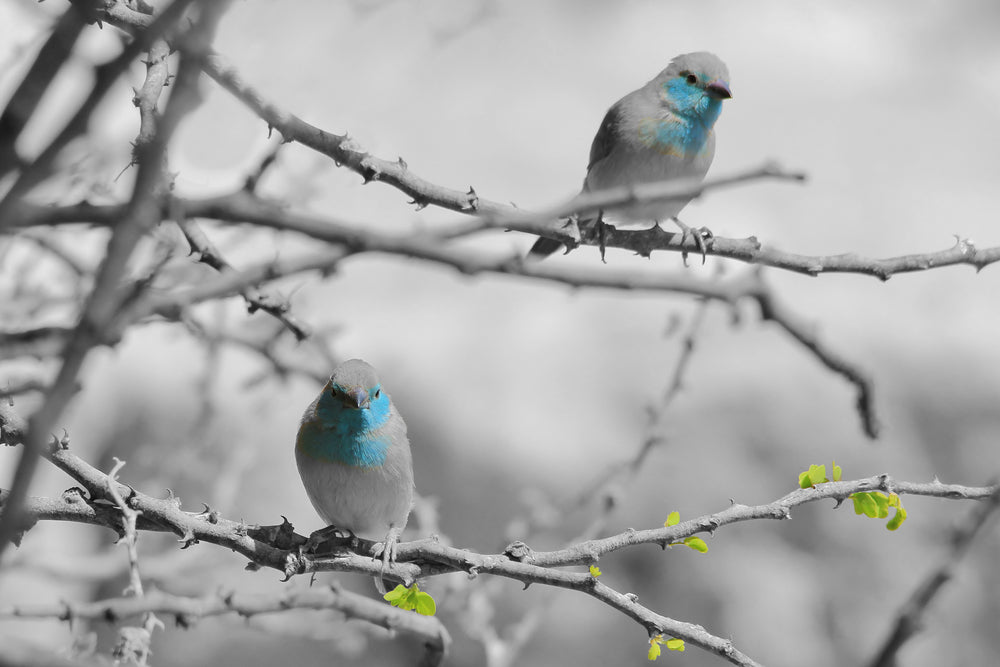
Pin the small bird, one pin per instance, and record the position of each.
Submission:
(660, 132)
(354, 459)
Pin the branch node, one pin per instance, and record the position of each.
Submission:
(518, 551)
(74, 495)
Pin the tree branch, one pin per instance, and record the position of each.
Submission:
(186, 610)
(280, 548)
(909, 619)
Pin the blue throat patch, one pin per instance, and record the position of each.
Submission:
(698, 112)
(353, 436)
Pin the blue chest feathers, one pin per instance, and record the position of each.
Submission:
(353, 436)
(686, 132)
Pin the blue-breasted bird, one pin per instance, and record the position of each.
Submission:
(660, 132)
(354, 458)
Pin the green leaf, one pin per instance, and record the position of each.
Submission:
(397, 594)
(818, 474)
(411, 599)
(865, 504)
(696, 543)
(882, 501)
(595, 571)
(804, 481)
(897, 520)
(673, 519)
(836, 471)
(425, 605)
(654, 647)
(675, 644)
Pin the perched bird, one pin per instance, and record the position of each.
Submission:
(660, 132)
(354, 459)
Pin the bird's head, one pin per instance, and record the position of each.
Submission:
(694, 84)
(354, 385)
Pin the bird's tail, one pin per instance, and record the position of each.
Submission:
(543, 248)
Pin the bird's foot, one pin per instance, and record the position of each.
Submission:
(333, 536)
(700, 236)
(386, 552)
(601, 235)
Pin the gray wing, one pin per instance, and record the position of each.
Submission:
(604, 140)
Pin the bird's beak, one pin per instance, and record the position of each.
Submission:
(357, 398)
(719, 89)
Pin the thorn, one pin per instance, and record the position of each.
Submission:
(370, 173)
(188, 539)
(473, 204)
(402, 163)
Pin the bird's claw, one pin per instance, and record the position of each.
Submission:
(699, 236)
(331, 534)
(386, 552)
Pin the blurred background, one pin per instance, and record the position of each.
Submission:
(519, 395)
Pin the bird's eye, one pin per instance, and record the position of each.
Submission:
(692, 79)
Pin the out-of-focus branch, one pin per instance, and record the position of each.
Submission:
(141, 215)
(40, 167)
(50, 59)
(244, 206)
(909, 619)
(256, 298)
(186, 610)
(773, 310)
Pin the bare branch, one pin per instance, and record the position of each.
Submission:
(773, 310)
(256, 298)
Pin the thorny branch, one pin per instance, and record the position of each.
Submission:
(279, 548)
(908, 622)
(345, 151)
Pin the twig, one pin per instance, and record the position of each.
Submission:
(909, 619)
(256, 298)
(773, 310)
(133, 643)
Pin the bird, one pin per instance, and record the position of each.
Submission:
(662, 131)
(354, 459)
